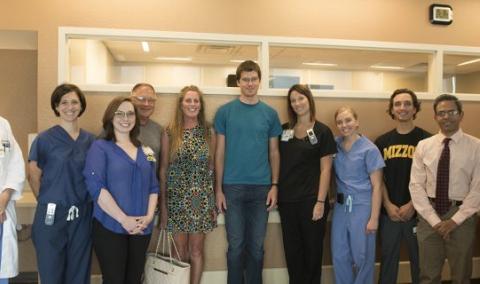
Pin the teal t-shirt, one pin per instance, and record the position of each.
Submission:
(247, 130)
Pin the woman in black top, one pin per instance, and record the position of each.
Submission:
(306, 150)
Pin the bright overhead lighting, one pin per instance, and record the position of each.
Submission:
(319, 64)
(145, 46)
(387, 67)
(469, 62)
(173, 58)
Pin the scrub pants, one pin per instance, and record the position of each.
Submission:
(353, 251)
(246, 224)
(64, 249)
(303, 240)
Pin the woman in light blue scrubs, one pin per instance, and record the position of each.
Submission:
(358, 171)
(61, 231)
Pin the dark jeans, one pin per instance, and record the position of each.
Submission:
(246, 223)
(121, 257)
(303, 240)
(391, 236)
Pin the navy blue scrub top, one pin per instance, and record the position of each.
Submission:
(61, 160)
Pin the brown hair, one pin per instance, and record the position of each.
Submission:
(248, 66)
(416, 103)
(62, 90)
(304, 90)
(108, 121)
(176, 126)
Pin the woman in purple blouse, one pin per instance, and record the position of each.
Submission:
(120, 176)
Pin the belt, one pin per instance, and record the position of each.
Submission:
(452, 202)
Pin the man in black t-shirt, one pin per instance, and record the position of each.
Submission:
(398, 219)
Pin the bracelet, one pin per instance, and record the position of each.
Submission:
(274, 184)
(320, 201)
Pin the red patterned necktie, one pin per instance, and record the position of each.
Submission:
(442, 203)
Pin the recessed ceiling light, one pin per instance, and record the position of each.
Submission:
(145, 46)
(319, 64)
(387, 67)
(165, 58)
(469, 62)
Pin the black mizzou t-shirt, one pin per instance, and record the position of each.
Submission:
(397, 151)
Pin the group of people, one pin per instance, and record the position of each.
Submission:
(102, 191)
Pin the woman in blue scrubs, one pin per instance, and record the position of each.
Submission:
(121, 178)
(358, 171)
(61, 231)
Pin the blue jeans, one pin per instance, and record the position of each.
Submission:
(246, 223)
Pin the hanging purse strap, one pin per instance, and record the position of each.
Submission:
(167, 239)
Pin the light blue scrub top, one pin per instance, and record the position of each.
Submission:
(353, 169)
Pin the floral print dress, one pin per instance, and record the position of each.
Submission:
(191, 200)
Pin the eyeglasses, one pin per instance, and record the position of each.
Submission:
(444, 113)
(122, 114)
(143, 100)
(249, 80)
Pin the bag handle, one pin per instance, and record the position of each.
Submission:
(166, 237)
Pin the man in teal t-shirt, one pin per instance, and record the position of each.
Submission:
(247, 164)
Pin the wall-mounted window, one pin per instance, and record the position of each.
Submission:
(103, 60)
(461, 73)
(161, 63)
(348, 69)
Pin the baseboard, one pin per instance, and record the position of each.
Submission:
(280, 275)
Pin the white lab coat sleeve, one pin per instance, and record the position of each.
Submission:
(14, 166)
(12, 175)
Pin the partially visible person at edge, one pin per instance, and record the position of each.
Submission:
(144, 98)
(306, 150)
(358, 175)
(445, 190)
(12, 179)
(61, 231)
(186, 179)
(398, 221)
(122, 181)
(247, 165)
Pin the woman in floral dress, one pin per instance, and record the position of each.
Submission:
(186, 174)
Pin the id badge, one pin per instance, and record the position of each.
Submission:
(312, 137)
(6, 145)
(50, 216)
(287, 134)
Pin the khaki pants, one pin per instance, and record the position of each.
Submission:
(433, 250)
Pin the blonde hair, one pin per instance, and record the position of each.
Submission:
(176, 126)
(346, 108)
